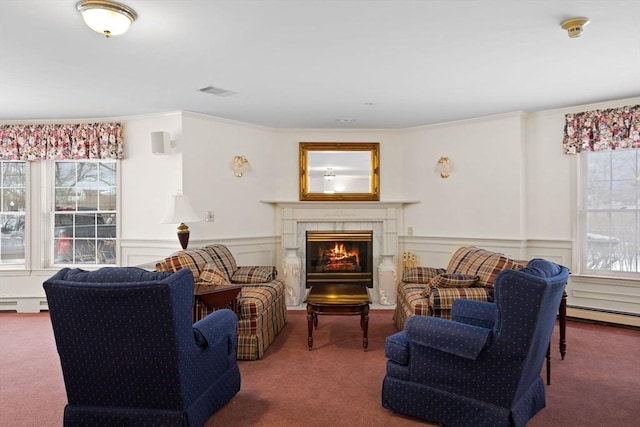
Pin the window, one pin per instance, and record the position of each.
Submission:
(85, 212)
(13, 197)
(610, 212)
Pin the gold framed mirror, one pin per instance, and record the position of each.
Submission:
(340, 171)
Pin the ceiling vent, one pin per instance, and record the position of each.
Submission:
(212, 90)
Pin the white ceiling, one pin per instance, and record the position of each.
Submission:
(310, 63)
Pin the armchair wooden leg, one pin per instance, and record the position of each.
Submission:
(562, 316)
(549, 364)
(563, 324)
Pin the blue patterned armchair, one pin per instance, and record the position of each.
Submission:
(130, 354)
(482, 368)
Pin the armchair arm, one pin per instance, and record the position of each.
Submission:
(471, 312)
(396, 348)
(448, 336)
(254, 274)
(443, 298)
(215, 327)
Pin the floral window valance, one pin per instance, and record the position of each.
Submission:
(61, 141)
(600, 130)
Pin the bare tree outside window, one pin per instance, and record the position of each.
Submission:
(611, 211)
(85, 212)
(13, 206)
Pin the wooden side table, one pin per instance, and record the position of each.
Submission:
(207, 297)
(338, 300)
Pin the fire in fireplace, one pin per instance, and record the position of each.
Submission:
(334, 257)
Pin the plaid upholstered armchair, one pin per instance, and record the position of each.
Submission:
(130, 354)
(262, 309)
(430, 291)
(482, 368)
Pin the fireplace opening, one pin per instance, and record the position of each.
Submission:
(335, 257)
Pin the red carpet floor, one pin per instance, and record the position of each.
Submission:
(337, 383)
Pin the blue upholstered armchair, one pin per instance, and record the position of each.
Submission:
(130, 354)
(482, 368)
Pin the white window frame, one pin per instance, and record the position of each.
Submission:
(27, 218)
(50, 227)
(581, 238)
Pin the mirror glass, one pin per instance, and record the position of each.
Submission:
(339, 171)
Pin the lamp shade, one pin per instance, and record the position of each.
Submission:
(179, 210)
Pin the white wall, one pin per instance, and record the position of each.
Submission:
(147, 180)
(484, 196)
(210, 145)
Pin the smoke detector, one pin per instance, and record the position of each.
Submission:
(574, 26)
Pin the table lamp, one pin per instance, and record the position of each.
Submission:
(180, 211)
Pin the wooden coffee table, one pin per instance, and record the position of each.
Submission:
(338, 300)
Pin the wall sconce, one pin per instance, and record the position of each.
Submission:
(240, 165)
(574, 26)
(106, 17)
(160, 143)
(180, 211)
(444, 167)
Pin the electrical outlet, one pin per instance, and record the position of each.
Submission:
(410, 231)
(209, 217)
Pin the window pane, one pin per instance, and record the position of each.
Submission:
(13, 206)
(599, 195)
(13, 174)
(599, 165)
(85, 251)
(12, 249)
(623, 166)
(107, 190)
(624, 194)
(623, 227)
(65, 174)
(611, 212)
(85, 215)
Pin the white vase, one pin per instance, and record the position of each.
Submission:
(387, 281)
(291, 268)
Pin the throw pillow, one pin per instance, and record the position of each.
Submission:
(211, 275)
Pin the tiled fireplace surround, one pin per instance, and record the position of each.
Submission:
(384, 218)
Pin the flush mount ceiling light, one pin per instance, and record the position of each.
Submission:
(106, 17)
(574, 26)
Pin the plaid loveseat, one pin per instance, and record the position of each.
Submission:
(262, 309)
(429, 291)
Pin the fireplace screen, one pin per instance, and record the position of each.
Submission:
(334, 257)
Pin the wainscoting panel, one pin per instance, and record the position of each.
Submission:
(437, 251)
(601, 293)
(246, 251)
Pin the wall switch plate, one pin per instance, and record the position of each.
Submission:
(410, 231)
(208, 216)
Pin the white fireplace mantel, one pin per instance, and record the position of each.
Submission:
(294, 218)
(389, 213)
